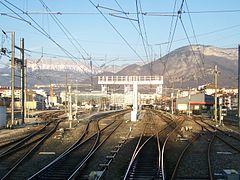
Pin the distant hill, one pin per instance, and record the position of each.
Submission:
(188, 66)
(185, 66)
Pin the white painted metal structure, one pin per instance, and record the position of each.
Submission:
(134, 81)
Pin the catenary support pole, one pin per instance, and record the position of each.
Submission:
(22, 78)
(215, 95)
(25, 89)
(13, 77)
(66, 93)
(70, 107)
(76, 102)
(238, 86)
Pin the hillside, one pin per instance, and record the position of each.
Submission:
(190, 68)
(181, 66)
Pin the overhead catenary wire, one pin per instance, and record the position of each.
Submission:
(171, 37)
(140, 30)
(195, 37)
(42, 31)
(156, 13)
(115, 29)
(144, 26)
(194, 54)
(127, 16)
(140, 13)
(65, 31)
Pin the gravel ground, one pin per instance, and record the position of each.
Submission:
(195, 158)
(119, 164)
(56, 143)
(115, 138)
(7, 135)
(224, 157)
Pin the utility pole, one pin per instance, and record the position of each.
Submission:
(76, 101)
(66, 94)
(215, 95)
(25, 89)
(172, 97)
(220, 111)
(70, 107)
(238, 86)
(172, 102)
(91, 103)
(91, 74)
(189, 102)
(13, 77)
(22, 78)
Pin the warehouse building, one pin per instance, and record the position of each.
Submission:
(199, 103)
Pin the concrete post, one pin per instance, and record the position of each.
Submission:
(13, 77)
(70, 107)
(135, 101)
(215, 95)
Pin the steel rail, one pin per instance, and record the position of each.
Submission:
(159, 155)
(21, 147)
(110, 161)
(223, 132)
(91, 153)
(164, 145)
(135, 155)
(210, 173)
(72, 148)
(24, 140)
(77, 144)
(138, 149)
(209, 157)
(226, 134)
(12, 141)
(173, 176)
(19, 161)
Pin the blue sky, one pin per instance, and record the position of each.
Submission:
(103, 43)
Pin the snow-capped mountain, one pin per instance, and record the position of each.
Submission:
(61, 65)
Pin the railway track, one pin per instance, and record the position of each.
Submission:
(149, 145)
(13, 156)
(225, 151)
(9, 142)
(194, 156)
(69, 164)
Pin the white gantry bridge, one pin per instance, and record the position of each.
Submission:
(133, 81)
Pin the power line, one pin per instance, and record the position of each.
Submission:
(65, 30)
(171, 40)
(127, 17)
(144, 26)
(185, 31)
(148, 13)
(42, 31)
(194, 34)
(202, 34)
(214, 11)
(140, 30)
(118, 32)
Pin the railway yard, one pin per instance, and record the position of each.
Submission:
(109, 146)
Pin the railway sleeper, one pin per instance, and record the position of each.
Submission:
(110, 156)
(118, 146)
(104, 164)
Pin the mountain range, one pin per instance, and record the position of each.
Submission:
(187, 66)
(190, 66)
